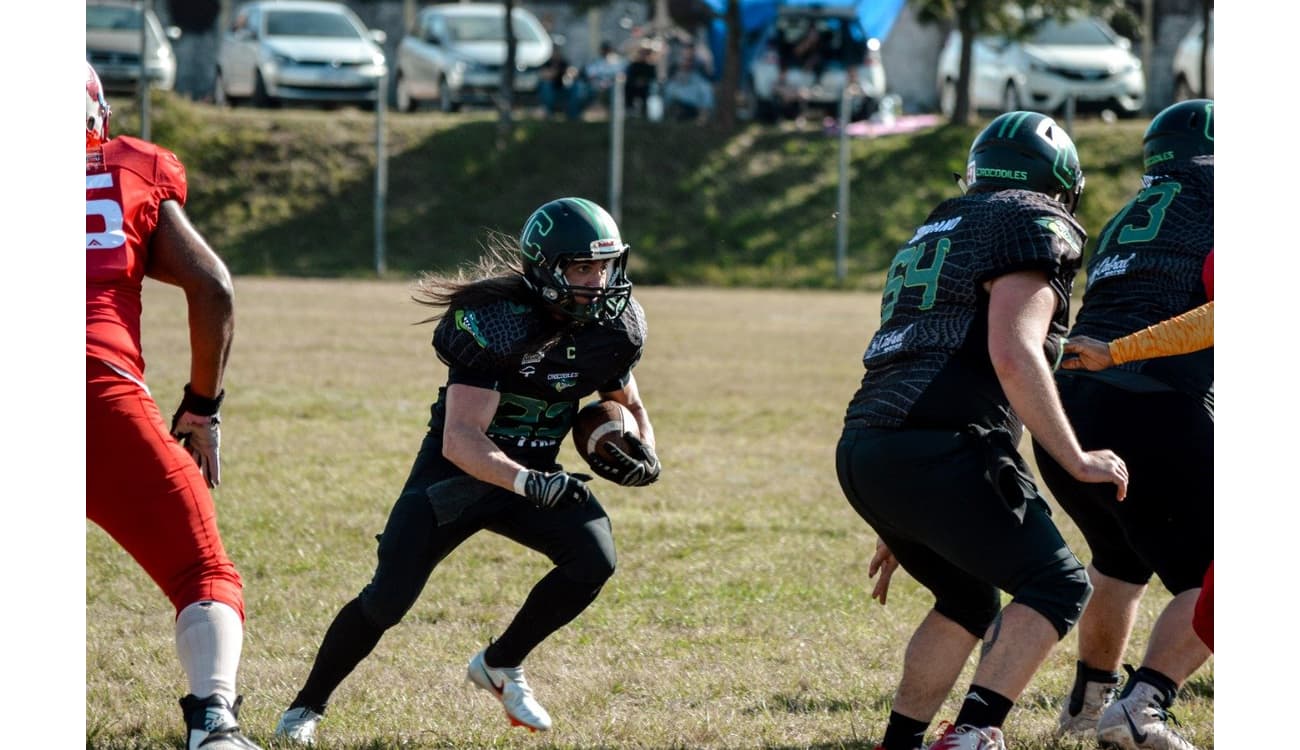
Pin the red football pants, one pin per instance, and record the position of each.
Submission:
(146, 492)
(1203, 617)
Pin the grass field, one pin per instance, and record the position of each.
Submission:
(739, 617)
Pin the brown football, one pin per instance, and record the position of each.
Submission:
(600, 424)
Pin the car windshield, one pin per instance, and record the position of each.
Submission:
(112, 17)
(1076, 32)
(309, 23)
(487, 29)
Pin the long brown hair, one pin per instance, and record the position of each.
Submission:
(498, 273)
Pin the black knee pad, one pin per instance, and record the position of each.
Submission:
(973, 610)
(1057, 592)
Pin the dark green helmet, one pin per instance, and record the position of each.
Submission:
(1027, 151)
(1179, 132)
(566, 230)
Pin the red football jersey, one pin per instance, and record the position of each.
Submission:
(126, 182)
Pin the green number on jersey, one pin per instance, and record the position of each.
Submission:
(906, 270)
(1163, 193)
(532, 417)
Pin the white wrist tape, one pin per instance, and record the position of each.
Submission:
(521, 481)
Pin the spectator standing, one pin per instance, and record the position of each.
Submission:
(1151, 264)
(641, 76)
(971, 322)
(146, 486)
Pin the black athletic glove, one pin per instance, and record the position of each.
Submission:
(636, 470)
(556, 490)
(197, 425)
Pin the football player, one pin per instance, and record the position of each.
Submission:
(531, 331)
(148, 486)
(1151, 264)
(971, 321)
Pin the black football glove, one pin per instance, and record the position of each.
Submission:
(556, 490)
(635, 470)
(197, 425)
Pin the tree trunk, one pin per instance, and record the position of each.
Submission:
(961, 113)
(730, 83)
(1206, 7)
(506, 97)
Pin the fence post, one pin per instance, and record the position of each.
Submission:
(842, 215)
(381, 174)
(617, 116)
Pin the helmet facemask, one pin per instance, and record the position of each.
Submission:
(602, 303)
(97, 110)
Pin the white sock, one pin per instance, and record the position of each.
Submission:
(209, 638)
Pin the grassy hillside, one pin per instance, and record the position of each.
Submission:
(291, 192)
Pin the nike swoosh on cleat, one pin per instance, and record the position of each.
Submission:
(499, 689)
(1137, 735)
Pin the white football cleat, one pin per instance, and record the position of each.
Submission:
(510, 687)
(1137, 722)
(298, 725)
(213, 724)
(1083, 708)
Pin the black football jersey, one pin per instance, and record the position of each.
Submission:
(1147, 268)
(495, 346)
(928, 364)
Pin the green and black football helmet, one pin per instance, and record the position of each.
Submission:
(1179, 132)
(1026, 151)
(567, 230)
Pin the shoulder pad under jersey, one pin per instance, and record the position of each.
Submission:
(483, 338)
(631, 322)
(1032, 229)
(153, 163)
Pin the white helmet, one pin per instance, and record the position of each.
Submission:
(97, 110)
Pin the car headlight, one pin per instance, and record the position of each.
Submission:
(1036, 65)
(280, 60)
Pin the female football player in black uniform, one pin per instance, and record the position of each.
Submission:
(533, 330)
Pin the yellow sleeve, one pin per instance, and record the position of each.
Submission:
(1182, 334)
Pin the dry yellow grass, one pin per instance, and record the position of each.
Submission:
(739, 616)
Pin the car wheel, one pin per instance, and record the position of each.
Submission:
(948, 98)
(260, 97)
(219, 95)
(446, 99)
(1010, 98)
(402, 97)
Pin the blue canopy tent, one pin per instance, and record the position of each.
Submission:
(877, 17)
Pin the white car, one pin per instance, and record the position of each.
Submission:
(113, 45)
(1082, 58)
(301, 50)
(455, 52)
(805, 58)
(1187, 64)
